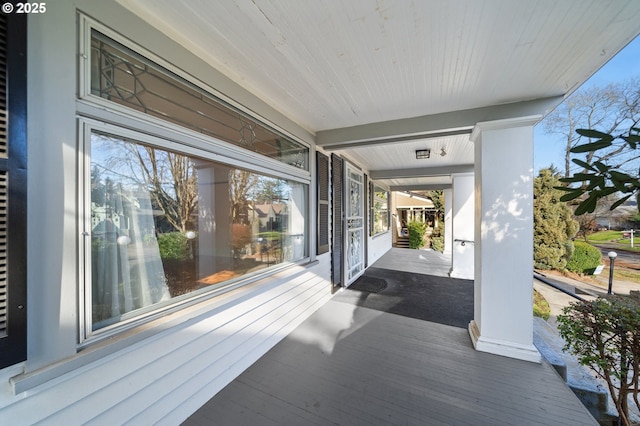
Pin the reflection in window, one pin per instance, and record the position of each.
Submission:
(164, 224)
(380, 211)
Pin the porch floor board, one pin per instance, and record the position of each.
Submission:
(428, 262)
(350, 365)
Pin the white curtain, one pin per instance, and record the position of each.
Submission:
(127, 269)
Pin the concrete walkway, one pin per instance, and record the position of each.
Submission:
(587, 290)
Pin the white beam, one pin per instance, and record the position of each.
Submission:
(421, 172)
(428, 126)
(429, 187)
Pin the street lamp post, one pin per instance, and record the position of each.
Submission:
(612, 257)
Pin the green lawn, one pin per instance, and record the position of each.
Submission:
(624, 274)
(614, 240)
(604, 236)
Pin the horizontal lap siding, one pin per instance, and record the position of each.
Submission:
(167, 377)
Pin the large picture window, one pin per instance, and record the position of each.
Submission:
(184, 194)
(164, 225)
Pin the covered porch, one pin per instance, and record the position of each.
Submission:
(349, 364)
(321, 103)
(414, 96)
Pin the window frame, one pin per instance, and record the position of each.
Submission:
(375, 188)
(99, 114)
(88, 126)
(100, 104)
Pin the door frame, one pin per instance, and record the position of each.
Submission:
(349, 275)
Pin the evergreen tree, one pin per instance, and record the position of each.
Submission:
(554, 226)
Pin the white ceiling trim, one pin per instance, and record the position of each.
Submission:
(422, 171)
(426, 187)
(437, 125)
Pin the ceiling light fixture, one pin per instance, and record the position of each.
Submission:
(443, 152)
(422, 154)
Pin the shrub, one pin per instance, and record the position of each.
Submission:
(416, 234)
(437, 238)
(604, 334)
(541, 307)
(437, 243)
(553, 224)
(585, 258)
(173, 245)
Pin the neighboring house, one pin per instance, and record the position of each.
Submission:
(327, 101)
(407, 207)
(270, 216)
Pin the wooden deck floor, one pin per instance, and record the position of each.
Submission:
(348, 365)
(428, 262)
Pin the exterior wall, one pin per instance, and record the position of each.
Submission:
(378, 246)
(163, 370)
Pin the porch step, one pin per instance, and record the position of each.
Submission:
(591, 393)
(402, 242)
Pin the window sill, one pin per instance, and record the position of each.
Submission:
(380, 234)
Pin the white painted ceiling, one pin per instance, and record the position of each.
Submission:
(333, 64)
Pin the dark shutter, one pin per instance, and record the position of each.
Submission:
(337, 219)
(13, 187)
(322, 173)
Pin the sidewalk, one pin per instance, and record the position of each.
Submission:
(558, 300)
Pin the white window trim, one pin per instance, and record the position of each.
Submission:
(160, 133)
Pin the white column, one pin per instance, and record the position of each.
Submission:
(503, 294)
(462, 250)
(448, 216)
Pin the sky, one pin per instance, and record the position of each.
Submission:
(549, 149)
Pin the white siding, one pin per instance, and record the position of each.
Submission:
(378, 246)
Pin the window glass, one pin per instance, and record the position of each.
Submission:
(380, 210)
(125, 77)
(164, 224)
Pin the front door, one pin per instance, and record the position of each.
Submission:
(354, 224)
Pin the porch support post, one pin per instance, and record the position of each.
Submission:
(462, 250)
(503, 291)
(448, 215)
